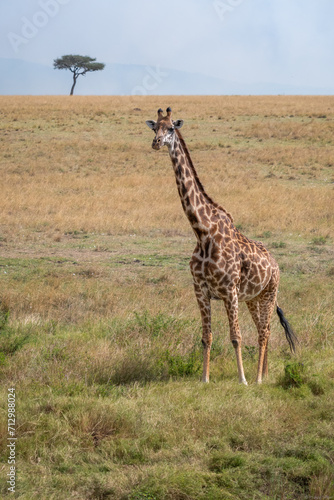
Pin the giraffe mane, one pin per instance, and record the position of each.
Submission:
(200, 185)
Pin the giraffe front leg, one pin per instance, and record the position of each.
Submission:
(206, 341)
(205, 310)
(265, 362)
(231, 306)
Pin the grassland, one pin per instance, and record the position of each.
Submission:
(99, 328)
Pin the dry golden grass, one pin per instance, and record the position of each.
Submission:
(85, 163)
(79, 178)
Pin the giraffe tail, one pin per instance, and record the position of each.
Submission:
(289, 333)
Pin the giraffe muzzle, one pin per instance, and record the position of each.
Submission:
(157, 143)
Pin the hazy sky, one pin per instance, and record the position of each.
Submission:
(281, 41)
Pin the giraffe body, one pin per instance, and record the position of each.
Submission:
(225, 264)
(221, 263)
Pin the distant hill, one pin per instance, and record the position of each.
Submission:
(22, 77)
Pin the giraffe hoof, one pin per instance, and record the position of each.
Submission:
(244, 382)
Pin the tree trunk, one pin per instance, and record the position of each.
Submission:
(74, 82)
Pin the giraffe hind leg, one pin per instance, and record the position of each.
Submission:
(265, 363)
(261, 310)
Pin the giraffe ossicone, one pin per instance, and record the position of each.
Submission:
(225, 265)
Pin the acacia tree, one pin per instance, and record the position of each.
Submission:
(78, 65)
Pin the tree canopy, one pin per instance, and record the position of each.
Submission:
(78, 65)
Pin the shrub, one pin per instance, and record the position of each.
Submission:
(293, 375)
(4, 315)
(180, 366)
(319, 240)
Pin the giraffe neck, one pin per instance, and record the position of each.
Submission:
(197, 205)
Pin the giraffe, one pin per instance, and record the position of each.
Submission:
(225, 265)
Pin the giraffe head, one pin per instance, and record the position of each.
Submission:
(164, 129)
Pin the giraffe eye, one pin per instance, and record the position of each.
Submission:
(171, 129)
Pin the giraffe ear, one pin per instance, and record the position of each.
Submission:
(150, 124)
(178, 123)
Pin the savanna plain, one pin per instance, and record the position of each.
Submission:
(99, 328)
